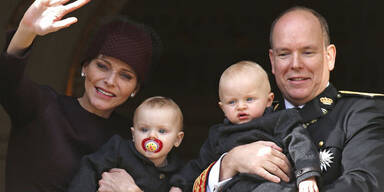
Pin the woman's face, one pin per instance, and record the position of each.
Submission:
(109, 82)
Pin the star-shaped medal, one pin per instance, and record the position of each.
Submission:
(326, 157)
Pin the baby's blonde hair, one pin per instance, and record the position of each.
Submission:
(160, 102)
(242, 69)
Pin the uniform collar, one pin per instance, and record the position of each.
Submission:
(320, 105)
(289, 105)
(317, 107)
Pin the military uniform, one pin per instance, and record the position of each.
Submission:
(348, 130)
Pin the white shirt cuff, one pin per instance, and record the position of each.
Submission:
(213, 178)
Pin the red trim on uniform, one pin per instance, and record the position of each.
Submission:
(201, 181)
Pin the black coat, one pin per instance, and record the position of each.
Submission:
(349, 129)
(282, 127)
(120, 153)
(50, 132)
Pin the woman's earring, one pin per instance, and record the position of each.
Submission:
(82, 74)
(133, 94)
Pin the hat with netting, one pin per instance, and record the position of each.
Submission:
(133, 43)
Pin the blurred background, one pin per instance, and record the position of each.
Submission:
(201, 38)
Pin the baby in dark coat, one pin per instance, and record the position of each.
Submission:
(157, 128)
(245, 94)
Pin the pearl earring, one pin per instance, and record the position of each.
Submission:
(132, 94)
(82, 74)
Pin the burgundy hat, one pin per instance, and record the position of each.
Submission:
(126, 41)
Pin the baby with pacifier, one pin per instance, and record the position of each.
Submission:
(157, 128)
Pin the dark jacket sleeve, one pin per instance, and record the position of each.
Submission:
(208, 154)
(93, 165)
(21, 98)
(298, 143)
(363, 152)
(303, 154)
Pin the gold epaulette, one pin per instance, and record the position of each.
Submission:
(354, 93)
(201, 182)
(276, 106)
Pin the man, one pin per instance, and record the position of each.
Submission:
(347, 127)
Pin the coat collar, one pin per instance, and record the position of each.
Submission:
(318, 106)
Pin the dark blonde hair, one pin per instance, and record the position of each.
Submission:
(157, 102)
(245, 67)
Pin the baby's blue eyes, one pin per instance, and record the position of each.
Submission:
(248, 100)
(162, 131)
(143, 129)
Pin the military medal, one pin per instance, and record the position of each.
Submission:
(152, 145)
(326, 101)
(326, 157)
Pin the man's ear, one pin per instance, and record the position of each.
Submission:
(271, 96)
(180, 136)
(272, 60)
(331, 56)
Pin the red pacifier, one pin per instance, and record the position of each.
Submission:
(152, 145)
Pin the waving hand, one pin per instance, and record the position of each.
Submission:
(41, 18)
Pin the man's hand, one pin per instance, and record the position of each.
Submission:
(262, 158)
(117, 180)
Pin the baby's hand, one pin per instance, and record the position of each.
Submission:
(175, 189)
(308, 185)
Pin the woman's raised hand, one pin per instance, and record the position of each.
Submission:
(41, 18)
(46, 16)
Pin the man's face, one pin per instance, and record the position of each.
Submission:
(301, 62)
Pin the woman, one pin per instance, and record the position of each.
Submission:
(51, 132)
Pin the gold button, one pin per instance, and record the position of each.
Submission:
(162, 176)
(321, 143)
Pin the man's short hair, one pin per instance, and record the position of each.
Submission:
(320, 18)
